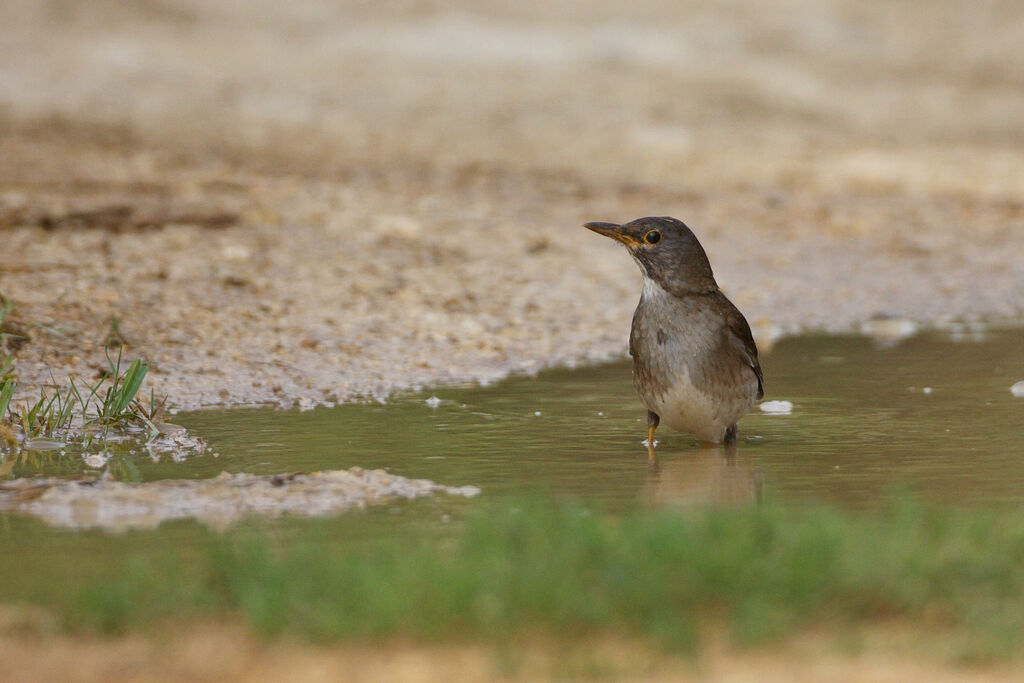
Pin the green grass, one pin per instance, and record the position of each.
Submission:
(6, 393)
(69, 412)
(506, 571)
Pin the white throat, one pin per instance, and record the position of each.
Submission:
(652, 291)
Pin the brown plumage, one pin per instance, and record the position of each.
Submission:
(695, 363)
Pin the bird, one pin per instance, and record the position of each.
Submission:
(695, 364)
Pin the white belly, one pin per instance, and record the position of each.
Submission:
(685, 408)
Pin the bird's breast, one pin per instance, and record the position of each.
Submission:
(679, 370)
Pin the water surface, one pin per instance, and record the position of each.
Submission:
(931, 413)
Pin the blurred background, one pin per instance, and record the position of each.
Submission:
(914, 95)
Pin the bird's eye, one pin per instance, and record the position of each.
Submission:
(653, 237)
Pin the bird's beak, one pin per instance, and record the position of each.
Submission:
(613, 230)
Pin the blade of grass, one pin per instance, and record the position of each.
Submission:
(129, 387)
(6, 393)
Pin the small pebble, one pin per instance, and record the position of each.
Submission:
(777, 407)
(1018, 389)
(96, 460)
(236, 252)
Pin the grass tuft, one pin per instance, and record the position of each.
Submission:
(73, 414)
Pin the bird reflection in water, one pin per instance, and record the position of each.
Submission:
(708, 476)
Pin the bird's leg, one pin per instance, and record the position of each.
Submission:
(731, 433)
(652, 423)
(729, 448)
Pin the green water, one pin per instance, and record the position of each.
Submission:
(861, 425)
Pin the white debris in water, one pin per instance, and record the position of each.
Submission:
(777, 407)
(218, 502)
(926, 390)
(1018, 389)
(433, 401)
(536, 413)
(96, 460)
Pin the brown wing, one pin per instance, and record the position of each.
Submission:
(742, 342)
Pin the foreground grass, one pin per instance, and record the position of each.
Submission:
(569, 571)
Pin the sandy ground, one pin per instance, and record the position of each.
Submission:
(312, 204)
(220, 652)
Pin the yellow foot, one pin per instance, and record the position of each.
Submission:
(650, 444)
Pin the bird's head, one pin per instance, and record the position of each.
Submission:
(666, 251)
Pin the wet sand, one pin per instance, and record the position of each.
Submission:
(217, 501)
(299, 206)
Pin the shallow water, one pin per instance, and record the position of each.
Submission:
(931, 413)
